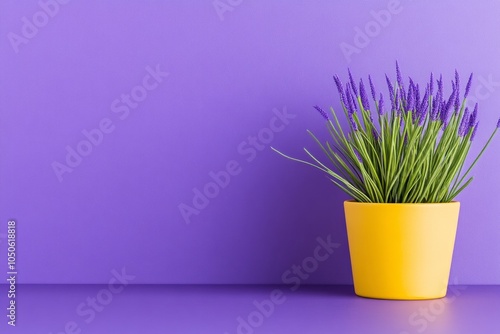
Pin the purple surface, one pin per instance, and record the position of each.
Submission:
(215, 309)
(120, 204)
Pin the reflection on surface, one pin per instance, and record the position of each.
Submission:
(249, 309)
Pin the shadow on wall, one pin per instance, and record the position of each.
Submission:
(305, 206)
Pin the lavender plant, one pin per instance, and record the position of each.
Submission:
(412, 151)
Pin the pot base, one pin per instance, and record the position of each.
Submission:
(399, 296)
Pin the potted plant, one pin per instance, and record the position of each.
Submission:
(403, 163)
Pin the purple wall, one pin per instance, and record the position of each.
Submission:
(171, 93)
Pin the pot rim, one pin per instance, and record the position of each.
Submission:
(353, 202)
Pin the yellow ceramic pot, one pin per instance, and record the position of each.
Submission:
(401, 251)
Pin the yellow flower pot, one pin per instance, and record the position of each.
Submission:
(401, 251)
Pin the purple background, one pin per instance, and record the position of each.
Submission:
(120, 206)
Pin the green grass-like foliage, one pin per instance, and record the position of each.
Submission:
(414, 152)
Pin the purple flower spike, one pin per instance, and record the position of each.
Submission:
(362, 93)
(391, 92)
(372, 88)
(354, 103)
(348, 99)
(437, 102)
(398, 107)
(402, 95)
(353, 123)
(446, 109)
(457, 81)
(473, 117)
(353, 85)
(417, 95)
(322, 112)
(423, 108)
(411, 89)
(455, 97)
(416, 103)
(381, 105)
(431, 84)
(440, 88)
(375, 134)
(351, 107)
(498, 123)
(344, 101)
(467, 88)
(442, 106)
(338, 83)
(398, 76)
(440, 83)
(435, 108)
(427, 94)
(410, 98)
(474, 131)
(422, 114)
(412, 84)
(464, 124)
